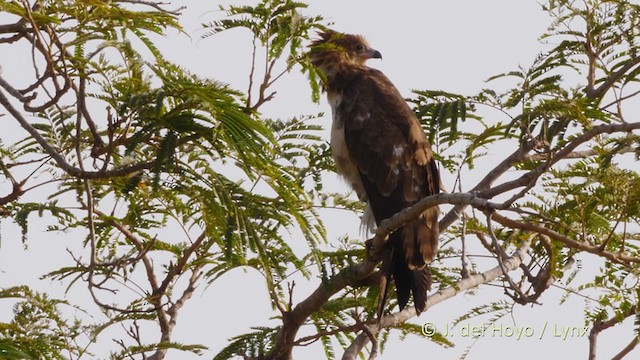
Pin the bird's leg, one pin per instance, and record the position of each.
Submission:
(373, 254)
(387, 255)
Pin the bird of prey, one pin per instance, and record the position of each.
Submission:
(380, 149)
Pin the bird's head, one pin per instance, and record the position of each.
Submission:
(333, 49)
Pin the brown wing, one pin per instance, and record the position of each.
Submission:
(392, 153)
(397, 168)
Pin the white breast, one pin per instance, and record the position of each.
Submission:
(345, 166)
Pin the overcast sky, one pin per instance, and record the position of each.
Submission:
(448, 45)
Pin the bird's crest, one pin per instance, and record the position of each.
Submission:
(334, 50)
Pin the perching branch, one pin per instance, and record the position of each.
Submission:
(354, 274)
(393, 320)
(409, 214)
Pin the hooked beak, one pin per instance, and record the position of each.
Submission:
(374, 54)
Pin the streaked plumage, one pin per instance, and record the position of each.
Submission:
(381, 150)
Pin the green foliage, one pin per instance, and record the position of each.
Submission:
(610, 34)
(199, 160)
(441, 112)
(417, 330)
(586, 205)
(38, 329)
(252, 345)
(279, 27)
(137, 147)
(21, 213)
(305, 152)
(498, 308)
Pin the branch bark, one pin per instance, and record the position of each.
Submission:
(612, 79)
(600, 326)
(581, 154)
(392, 320)
(583, 246)
(627, 349)
(484, 184)
(60, 160)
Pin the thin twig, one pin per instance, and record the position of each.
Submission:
(500, 255)
(157, 6)
(574, 244)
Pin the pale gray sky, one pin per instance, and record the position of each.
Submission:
(448, 45)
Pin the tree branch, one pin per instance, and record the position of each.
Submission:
(483, 190)
(175, 270)
(172, 313)
(393, 320)
(148, 265)
(583, 246)
(484, 184)
(600, 326)
(581, 154)
(60, 160)
(627, 349)
(612, 79)
(82, 109)
(521, 297)
(17, 27)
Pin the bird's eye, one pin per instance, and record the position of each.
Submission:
(359, 47)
